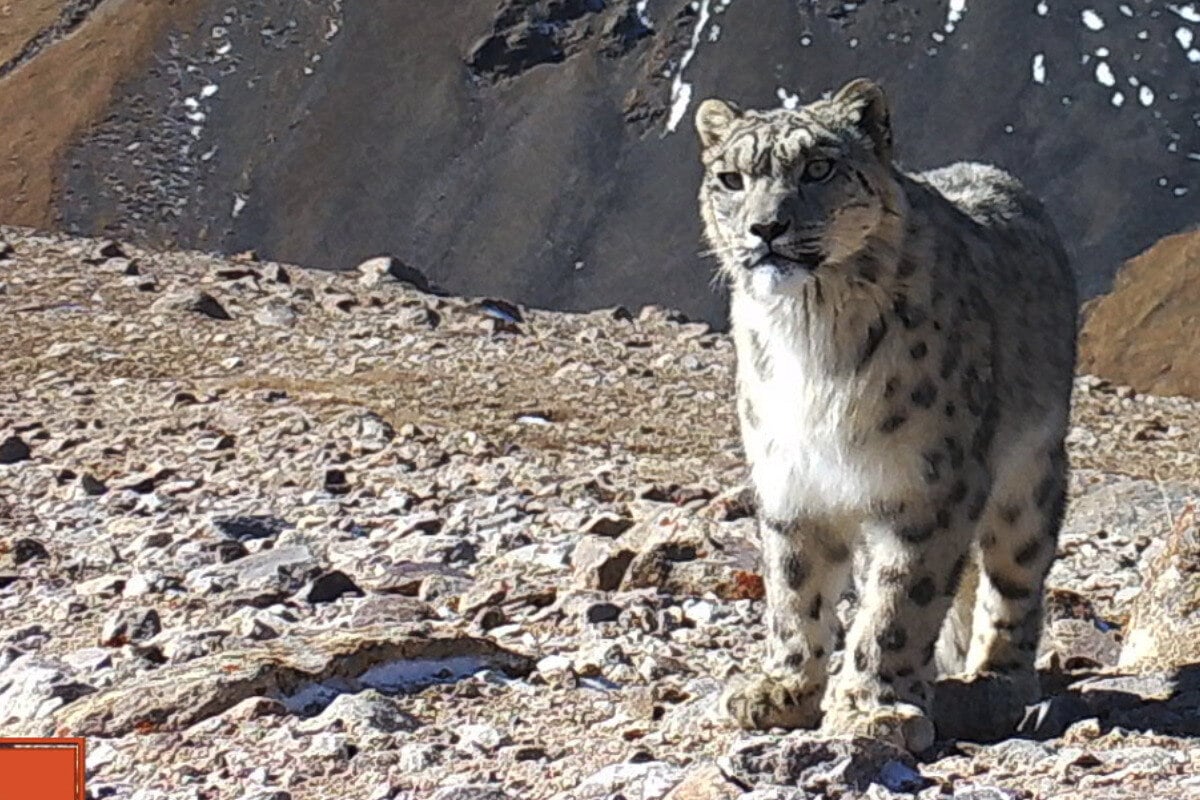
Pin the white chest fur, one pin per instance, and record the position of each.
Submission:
(804, 421)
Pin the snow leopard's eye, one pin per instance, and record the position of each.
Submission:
(817, 170)
(732, 181)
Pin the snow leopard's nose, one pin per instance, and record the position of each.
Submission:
(769, 231)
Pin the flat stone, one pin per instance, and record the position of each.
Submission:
(809, 761)
(649, 780)
(277, 572)
(407, 577)
(390, 609)
(362, 712)
(178, 696)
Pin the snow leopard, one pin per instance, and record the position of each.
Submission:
(905, 351)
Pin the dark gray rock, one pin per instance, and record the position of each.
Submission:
(92, 486)
(984, 709)
(249, 527)
(806, 760)
(26, 549)
(330, 586)
(191, 300)
(13, 450)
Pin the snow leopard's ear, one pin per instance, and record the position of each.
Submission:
(713, 121)
(867, 106)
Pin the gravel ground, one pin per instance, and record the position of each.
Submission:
(274, 533)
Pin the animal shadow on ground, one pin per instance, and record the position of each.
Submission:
(983, 710)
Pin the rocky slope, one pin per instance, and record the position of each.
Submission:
(273, 533)
(1146, 332)
(541, 149)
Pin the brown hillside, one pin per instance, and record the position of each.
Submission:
(1144, 333)
(49, 99)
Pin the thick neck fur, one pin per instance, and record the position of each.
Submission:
(826, 316)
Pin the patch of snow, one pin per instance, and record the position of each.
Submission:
(1188, 12)
(786, 99)
(208, 91)
(1193, 156)
(310, 698)
(938, 36)
(1091, 20)
(1104, 75)
(1126, 10)
(1194, 56)
(399, 676)
(681, 98)
(1039, 68)
(681, 91)
(1146, 96)
(1008, 128)
(1118, 99)
(1102, 52)
(954, 14)
(806, 40)
(853, 42)
(715, 33)
(640, 10)
(1042, 8)
(1179, 191)
(239, 204)
(1185, 37)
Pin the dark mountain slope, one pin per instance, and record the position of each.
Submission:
(542, 149)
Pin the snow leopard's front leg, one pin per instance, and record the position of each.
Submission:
(918, 555)
(806, 563)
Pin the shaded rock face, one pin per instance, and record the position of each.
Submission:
(542, 150)
(1144, 333)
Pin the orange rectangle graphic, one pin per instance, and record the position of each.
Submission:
(41, 769)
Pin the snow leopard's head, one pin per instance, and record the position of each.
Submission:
(792, 192)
